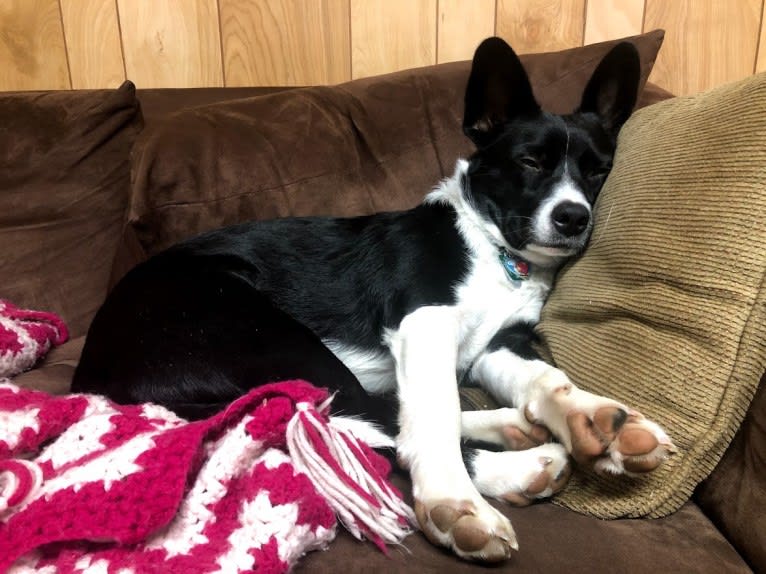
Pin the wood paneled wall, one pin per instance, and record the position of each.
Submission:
(61, 44)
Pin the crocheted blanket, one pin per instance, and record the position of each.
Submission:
(90, 486)
(25, 336)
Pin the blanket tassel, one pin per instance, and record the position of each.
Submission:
(341, 471)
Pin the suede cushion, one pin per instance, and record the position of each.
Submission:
(369, 145)
(64, 185)
(666, 310)
(555, 540)
(734, 496)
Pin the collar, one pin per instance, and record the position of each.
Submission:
(516, 268)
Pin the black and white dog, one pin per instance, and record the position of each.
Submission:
(392, 310)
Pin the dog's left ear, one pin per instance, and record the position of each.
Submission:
(498, 90)
(613, 88)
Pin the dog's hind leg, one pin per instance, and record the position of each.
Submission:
(510, 459)
(506, 427)
(519, 477)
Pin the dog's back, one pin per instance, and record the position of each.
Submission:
(203, 322)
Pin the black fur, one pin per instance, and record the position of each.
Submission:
(203, 322)
(518, 338)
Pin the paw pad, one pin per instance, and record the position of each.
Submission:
(517, 439)
(615, 440)
(457, 525)
(544, 482)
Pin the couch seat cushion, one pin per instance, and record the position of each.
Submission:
(553, 539)
(54, 372)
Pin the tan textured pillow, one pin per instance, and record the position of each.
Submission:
(666, 310)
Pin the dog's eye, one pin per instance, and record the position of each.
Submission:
(529, 162)
(599, 172)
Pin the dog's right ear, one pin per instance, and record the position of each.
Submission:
(498, 90)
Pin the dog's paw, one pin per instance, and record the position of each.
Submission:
(616, 440)
(507, 427)
(472, 530)
(522, 437)
(604, 434)
(521, 477)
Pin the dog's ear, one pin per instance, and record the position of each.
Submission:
(498, 89)
(613, 88)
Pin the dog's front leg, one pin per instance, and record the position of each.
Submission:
(598, 431)
(450, 510)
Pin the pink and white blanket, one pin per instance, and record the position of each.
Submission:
(90, 486)
(25, 336)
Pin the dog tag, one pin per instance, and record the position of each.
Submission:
(516, 269)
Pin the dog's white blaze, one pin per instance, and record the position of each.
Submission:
(566, 190)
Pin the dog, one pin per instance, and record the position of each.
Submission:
(391, 311)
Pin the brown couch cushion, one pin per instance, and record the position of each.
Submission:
(553, 540)
(734, 495)
(64, 184)
(666, 310)
(368, 145)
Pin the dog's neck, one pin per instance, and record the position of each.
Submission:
(480, 235)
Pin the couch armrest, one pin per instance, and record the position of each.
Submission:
(734, 495)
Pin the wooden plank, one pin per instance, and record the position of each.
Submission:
(171, 44)
(760, 64)
(285, 42)
(390, 35)
(541, 25)
(93, 43)
(32, 48)
(463, 24)
(707, 42)
(612, 19)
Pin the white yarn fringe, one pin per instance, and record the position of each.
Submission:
(368, 507)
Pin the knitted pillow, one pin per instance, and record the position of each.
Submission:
(666, 310)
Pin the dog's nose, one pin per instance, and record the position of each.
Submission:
(570, 218)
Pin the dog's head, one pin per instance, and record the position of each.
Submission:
(535, 175)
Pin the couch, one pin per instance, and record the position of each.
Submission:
(92, 182)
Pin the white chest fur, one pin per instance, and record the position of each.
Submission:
(489, 300)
